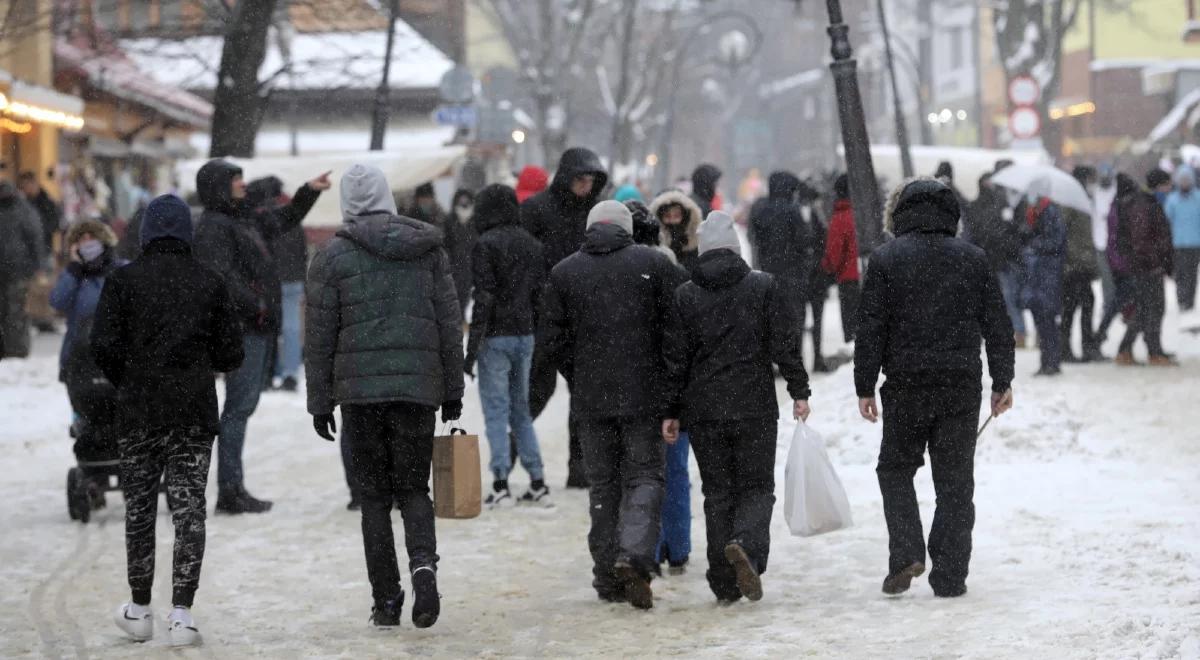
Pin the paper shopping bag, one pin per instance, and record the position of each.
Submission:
(457, 490)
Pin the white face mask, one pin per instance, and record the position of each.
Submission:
(464, 210)
(1032, 197)
(91, 250)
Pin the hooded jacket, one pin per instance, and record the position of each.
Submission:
(704, 187)
(728, 325)
(986, 227)
(77, 291)
(233, 239)
(784, 243)
(1043, 255)
(555, 216)
(1183, 210)
(928, 300)
(602, 324)
(21, 246)
(1143, 235)
(290, 248)
(508, 270)
(680, 239)
(460, 243)
(841, 247)
(383, 322)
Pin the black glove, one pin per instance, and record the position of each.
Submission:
(451, 410)
(75, 268)
(469, 366)
(325, 425)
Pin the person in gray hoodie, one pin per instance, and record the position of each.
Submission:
(384, 342)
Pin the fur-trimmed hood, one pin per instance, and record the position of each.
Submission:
(691, 210)
(99, 230)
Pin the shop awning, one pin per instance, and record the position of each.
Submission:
(34, 103)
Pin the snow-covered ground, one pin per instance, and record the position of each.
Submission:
(1086, 545)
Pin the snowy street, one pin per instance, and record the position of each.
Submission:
(1087, 494)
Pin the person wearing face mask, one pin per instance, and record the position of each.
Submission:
(1103, 194)
(77, 291)
(425, 206)
(1044, 252)
(680, 218)
(1183, 209)
(460, 242)
(233, 239)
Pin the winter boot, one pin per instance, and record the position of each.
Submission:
(953, 591)
(819, 366)
(748, 580)
(386, 613)
(1125, 359)
(1093, 354)
(538, 495)
(677, 567)
(1163, 361)
(637, 585)
(181, 628)
(289, 384)
(427, 602)
(898, 583)
(500, 497)
(235, 500)
(135, 620)
(1020, 340)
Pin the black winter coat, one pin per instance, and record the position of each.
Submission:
(21, 246)
(704, 187)
(164, 325)
(290, 250)
(234, 241)
(784, 243)
(602, 325)
(460, 243)
(986, 227)
(509, 272)
(50, 216)
(555, 216)
(728, 325)
(928, 300)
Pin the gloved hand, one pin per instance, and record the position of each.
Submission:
(325, 425)
(451, 410)
(76, 269)
(469, 366)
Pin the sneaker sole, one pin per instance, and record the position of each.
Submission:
(894, 585)
(748, 580)
(637, 588)
(426, 599)
(189, 637)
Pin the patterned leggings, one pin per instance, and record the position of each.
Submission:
(184, 455)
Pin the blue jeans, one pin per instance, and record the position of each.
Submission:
(288, 361)
(675, 541)
(504, 364)
(1010, 286)
(242, 389)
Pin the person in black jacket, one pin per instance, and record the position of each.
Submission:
(46, 208)
(233, 239)
(290, 251)
(163, 326)
(729, 324)
(460, 243)
(928, 301)
(705, 179)
(603, 318)
(509, 272)
(557, 217)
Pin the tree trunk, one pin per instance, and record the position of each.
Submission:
(238, 104)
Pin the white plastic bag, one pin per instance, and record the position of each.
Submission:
(814, 501)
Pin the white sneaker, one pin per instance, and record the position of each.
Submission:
(539, 498)
(499, 499)
(136, 620)
(181, 628)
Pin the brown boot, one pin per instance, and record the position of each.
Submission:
(1125, 359)
(1162, 361)
(1019, 338)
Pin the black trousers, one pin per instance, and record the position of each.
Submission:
(737, 471)
(543, 380)
(848, 294)
(391, 449)
(184, 455)
(943, 419)
(1187, 261)
(626, 464)
(1150, 300)
(1078, 295)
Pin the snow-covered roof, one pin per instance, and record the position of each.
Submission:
(1184, 109)
(319, 61)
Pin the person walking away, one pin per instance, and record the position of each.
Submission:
(783, 244)
(425, 206)
(945, 174)
(47, 210)
(1043, 254)
(928, 300)
(984, 226)
(557, 218)
(840, 258)
(1078, 273)
(706, 180)
(1183, 210)
(628, 192)
(290, 251)
(22, 251)
(675, 541)
(77, 291)
(384, 342)
(1127, 191)
(1103, 196)
(460, 243)
(163, 325)
(604, 313)
(1143, 241)
(728, 326)
(509, 273)
(232, 239)
(679, 218)
(531, 181)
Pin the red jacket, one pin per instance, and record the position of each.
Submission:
(841, 247)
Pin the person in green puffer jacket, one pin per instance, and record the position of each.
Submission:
(384, 342)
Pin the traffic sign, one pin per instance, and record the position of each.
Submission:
(1024, 90)
(455, 115)
(1024, 123)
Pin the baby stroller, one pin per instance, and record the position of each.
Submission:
(94, 400)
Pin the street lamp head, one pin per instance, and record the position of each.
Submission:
(945, 116)
(734, 47)
(518, 136)
(933, 118)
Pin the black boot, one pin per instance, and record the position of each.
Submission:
(235, 500)
(427, 602)
(386, 613)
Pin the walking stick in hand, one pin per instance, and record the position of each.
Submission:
(984, 427)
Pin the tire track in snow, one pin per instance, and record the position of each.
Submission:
(55, 580)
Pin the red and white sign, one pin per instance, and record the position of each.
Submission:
(1024, 123)
(1024, 90)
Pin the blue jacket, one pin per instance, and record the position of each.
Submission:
(76, 294)
(1043, 256)
(1184, 212)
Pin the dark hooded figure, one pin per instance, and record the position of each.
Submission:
(233, 239)
(21, 254)
(557, 218)
(928, 300)
(290, 250)
(384, 342)
(1142, 245)
(460, 242)
(705, 179)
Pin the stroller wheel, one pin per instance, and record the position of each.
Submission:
(79, 501)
